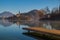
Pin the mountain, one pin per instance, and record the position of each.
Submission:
(33, 15)
(6, 14)
(32, 12)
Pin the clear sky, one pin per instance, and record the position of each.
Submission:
(26, 5)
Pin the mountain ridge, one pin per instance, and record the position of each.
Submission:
(6, 14)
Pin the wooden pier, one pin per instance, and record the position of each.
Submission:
(43, 30)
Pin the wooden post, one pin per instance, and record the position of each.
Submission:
(28, 31)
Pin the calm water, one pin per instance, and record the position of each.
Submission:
(12, 30)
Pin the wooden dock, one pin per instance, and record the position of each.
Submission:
(43, 30)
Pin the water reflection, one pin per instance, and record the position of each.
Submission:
(46, 24)
(5, 23)
(12, 30)
(31, 34)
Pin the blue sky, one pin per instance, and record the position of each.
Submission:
(26, 5)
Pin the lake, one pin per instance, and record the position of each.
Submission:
(13, 30)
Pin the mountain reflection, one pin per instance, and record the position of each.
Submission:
(46, 24)
(5, 22)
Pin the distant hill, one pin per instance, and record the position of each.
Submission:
(6, 14)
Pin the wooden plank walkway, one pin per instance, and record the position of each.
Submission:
(40, 29)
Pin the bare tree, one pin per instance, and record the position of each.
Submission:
(47, 10)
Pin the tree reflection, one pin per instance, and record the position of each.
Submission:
(45, 24)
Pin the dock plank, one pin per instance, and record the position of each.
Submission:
(40, 29)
